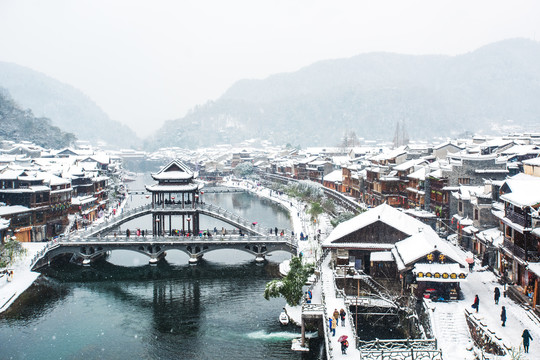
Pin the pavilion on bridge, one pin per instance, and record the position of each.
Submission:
(176, 193)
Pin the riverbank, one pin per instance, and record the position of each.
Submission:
(23, 276)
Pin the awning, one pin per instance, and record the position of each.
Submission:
(439, 272)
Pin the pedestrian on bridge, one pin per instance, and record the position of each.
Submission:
(336, 316)
(127, 232)
(342, 316)
(344, 346)
(275, 230)
(333, 324)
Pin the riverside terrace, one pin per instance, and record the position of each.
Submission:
(86, 250)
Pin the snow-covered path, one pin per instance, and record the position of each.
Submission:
(451, 330)
(483, 283)
(23, 277)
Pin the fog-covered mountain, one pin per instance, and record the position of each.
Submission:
(67, 107)
(17, 124)
(481, 91)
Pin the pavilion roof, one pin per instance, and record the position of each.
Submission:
(174, 170)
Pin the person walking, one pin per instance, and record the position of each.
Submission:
(342, 316)
(336, 316)
(331, 325)
(476, 303)
(526, 339)
(503, 316)
(344, 346)
(496, 295)
(275, 231)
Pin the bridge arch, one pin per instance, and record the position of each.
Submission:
(155, 248)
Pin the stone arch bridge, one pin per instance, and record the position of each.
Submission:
(91, 248)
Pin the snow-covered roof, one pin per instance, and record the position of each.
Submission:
(533, 162)
(525, 190)
(174, 170)
(381, 256)
(419, 174)
(521, 150)
(334, 176)
(173, 188)
(493, 236)
(384, 213)
(13, 209)
(447, 143)
(420, 245)
(4, 224)
(81, 200)
(409, 164)
(534, 267)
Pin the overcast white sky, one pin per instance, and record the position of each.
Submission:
(144, 62)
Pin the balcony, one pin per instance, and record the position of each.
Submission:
(519, 252)
(517, 218)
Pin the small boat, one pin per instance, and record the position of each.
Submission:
(283, 318)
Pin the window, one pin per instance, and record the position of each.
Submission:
(460, 206)
(476, 214)
(464, 181)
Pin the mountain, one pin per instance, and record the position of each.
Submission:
(67, 107)
(17, 124)
(434, 95)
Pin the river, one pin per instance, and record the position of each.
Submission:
(123, 308)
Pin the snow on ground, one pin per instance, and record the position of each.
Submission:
(23, 277)
(450, 327)
(448, 318)
(483, 283)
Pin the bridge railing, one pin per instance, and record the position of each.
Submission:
(404, 349)
(125, 214)
(111, 221)
(287, 240)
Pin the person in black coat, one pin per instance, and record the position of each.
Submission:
(503, 315)
(526, 339)
(496, 295)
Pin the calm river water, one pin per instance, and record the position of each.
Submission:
(123, 308)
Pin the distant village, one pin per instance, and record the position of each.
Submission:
(481, 193)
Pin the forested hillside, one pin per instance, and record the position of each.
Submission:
(17, 124)
(67, 107)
